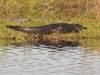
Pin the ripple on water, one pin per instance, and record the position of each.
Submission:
(48, 60)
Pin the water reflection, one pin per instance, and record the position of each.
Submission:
(53, 42)
(48, 58)
(55, 45)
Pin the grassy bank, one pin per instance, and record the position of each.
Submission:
(88, 38)
(92, 23)
(44, 12)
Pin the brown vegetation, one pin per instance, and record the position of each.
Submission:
(26, 9)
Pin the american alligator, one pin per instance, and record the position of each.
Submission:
(61, 28)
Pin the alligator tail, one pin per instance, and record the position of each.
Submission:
(31, 30)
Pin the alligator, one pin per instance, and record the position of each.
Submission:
(60, 28)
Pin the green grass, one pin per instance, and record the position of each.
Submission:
(89, 20)
(93, 31)
(7, 33)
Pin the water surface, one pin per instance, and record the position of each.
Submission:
(49, 58)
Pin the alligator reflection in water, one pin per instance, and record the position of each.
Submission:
(47, 42)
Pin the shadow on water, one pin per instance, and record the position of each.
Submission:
(47, 42)
(52, 43)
